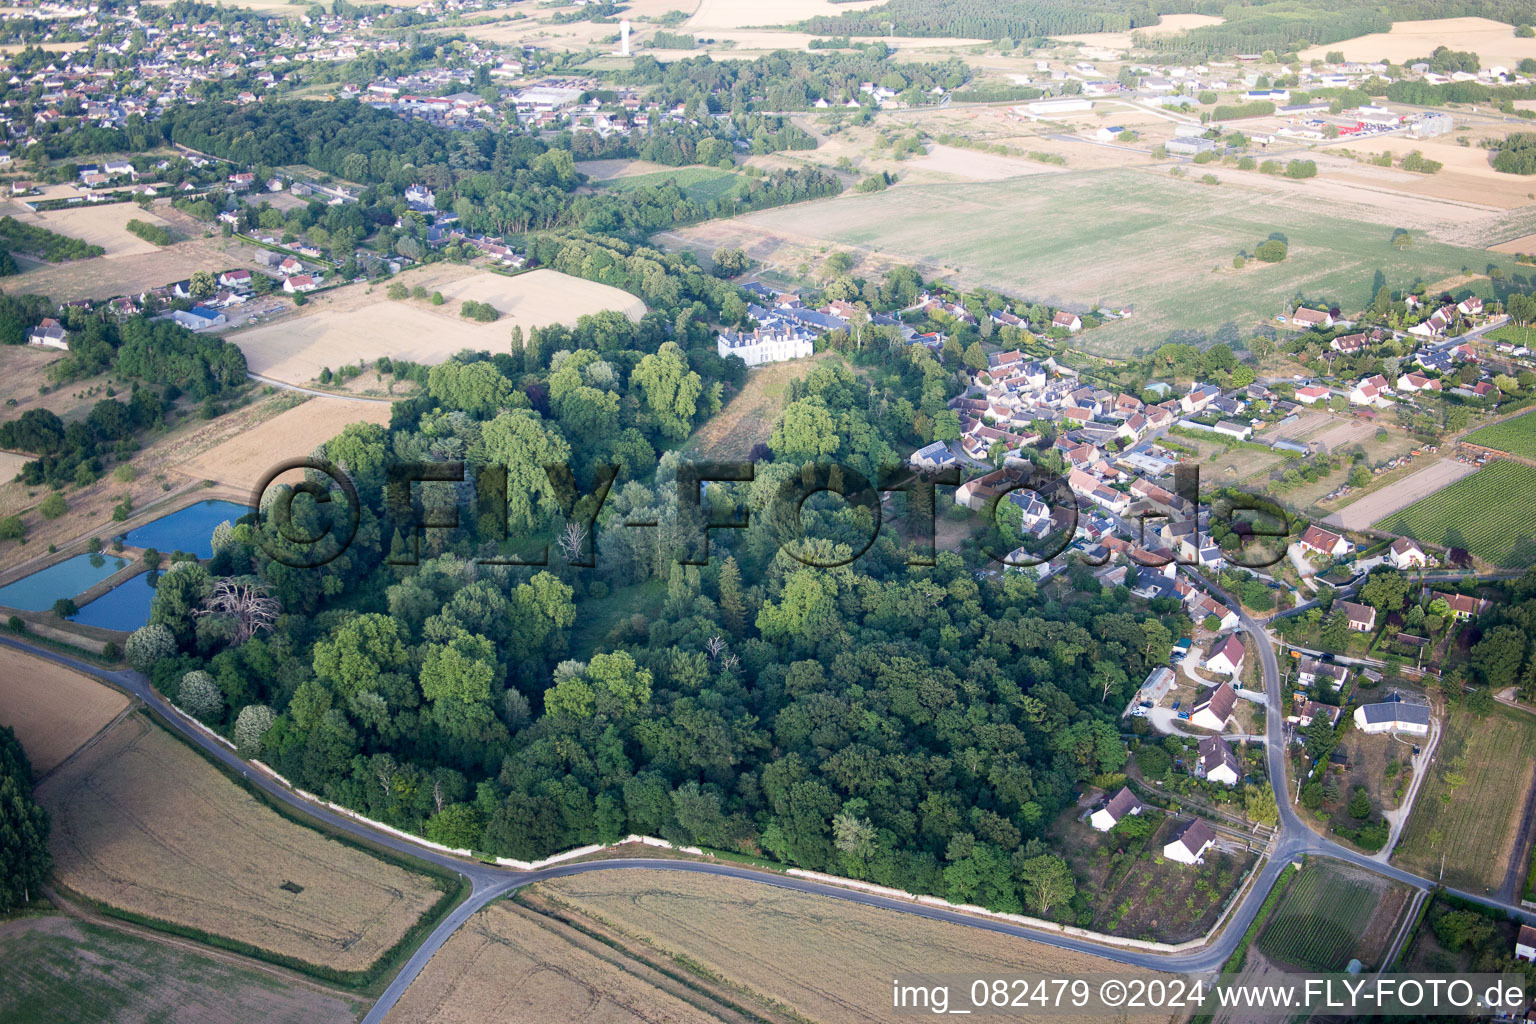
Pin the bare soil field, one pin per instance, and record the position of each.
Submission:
(606, 170)
(1170, 24)
(1494, 42)
(972, 165)
(10, 465)
(1525, 243)
(1379, 504)
(737, 14)
(1341, 435)
(99, 224)
(357, 323)
(817, 958)
(504, 965)
(1467, 176)
(143, 823)
(242, 460)
(64, 971)
(132, 267)
(53, 710)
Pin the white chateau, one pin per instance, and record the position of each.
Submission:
(770, 345)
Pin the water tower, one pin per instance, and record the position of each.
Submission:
(624, 38)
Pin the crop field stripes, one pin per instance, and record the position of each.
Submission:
(1488, 513)
(1320, 921)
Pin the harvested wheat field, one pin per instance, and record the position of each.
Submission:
(505, 965)
(10, 465)
(100, 224)
(1168, 25)
(143, 823)
(244, 459)
(64, 971)
(732, 14)
(1525, 243)
(1494, 42)
(53, 709)
(355, 324)
(822, 959)
(1381, 503)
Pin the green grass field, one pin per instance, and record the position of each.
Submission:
(1513, 334)
(64, 971)
(1488, 513)
(1136, 236)
(700, 184)
(1470, 807)
(1320, 920)
(1517, 436)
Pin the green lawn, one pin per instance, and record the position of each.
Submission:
(1488, 513)
(1513, 335)
(1517, 436)
(700, 184)
(62, 971)
(1138, 236)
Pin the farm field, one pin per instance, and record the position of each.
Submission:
(101, 224)
(1323, 917)
(505, 965)
(1492, 41)
(64, 971)
(1115, 245)
(700, 184)
(1487, 513)
(53, 709)
(1513, 334)
(202, 854)
(1516, 436)
(1379, 504)
(1470, 806)
(1169, 24)
(244, 459)
(356, 323)
(815, 958)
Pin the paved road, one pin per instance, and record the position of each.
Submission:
(489, 882)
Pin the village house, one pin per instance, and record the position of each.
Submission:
(1361, 617)
(49, 334)
(1227, 656)
(1071, 321)
(235, 279)
(1311, 393)
(1118, 806)
(1324, 542)
(1190, 845)
(1213, 712)
(1525, 943)
(1218, 763)
(1405, 553)
(1409, 383)
(933, 457)
(1317, 319)
(1312, 670)
(301, 283)
(1393, 716)
(1463, 606)
(1308, 710)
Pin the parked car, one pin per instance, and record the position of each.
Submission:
(1176, 705)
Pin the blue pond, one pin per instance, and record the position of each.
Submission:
(190, 530)
(37, 592)
(125, 606)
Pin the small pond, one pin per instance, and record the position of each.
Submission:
(190, 530)
(124, 607)
(69, 578)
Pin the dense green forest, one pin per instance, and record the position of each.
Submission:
(987, 19)
(24, 857)
(1517, 155)
(911, 724)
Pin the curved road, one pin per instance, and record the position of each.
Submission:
(488, 882)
